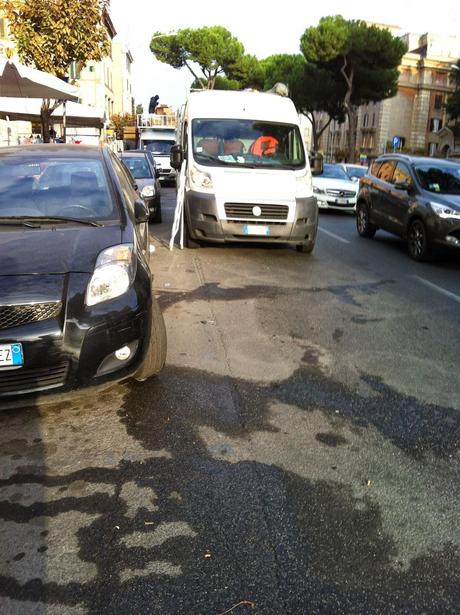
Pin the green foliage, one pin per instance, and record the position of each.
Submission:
(214, 50)
(119, 120)
(51, 34)
(221, 83)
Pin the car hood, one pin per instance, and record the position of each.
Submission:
(145, 181)
(61, 249)
(445, 199)
(334, 184)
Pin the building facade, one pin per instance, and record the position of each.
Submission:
(414, 119)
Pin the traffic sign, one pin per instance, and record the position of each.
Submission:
(396, 141)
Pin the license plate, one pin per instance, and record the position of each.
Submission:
(341, 201)
(11, 355)
(256, 229)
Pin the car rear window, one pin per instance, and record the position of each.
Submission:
(138, 166)
(55, 186)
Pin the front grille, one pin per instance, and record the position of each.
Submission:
(343, 194)
(15, 315)
(25, 380)
(244, 211)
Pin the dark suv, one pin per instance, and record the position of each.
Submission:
(413, 197)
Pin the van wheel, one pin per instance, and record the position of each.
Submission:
(306, 248)
(363, 225)
(155, 357)
(417, 242)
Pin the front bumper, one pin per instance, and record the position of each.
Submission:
(205, 224)
(325, 202)
(76, 349)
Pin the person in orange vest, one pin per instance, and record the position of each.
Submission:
(264, 146)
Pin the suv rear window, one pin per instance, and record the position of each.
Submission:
(385, 172)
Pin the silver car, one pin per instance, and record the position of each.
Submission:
(146, 176)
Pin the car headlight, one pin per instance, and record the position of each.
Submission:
(200, 179)
(113, 274)
(148, 191)
(444, 211)
(317, 190)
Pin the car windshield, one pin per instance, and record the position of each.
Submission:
(161, 148)
(332, 171)
(356, 171)
(138, 166)
(250, 143)
(439, 178)
(39, 187)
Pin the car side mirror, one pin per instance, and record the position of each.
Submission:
(141, 211)
(176, 156)
(404, 186)
(317, 164)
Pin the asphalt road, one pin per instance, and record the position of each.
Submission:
(298, 454)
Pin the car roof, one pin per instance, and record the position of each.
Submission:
(134, 153)
(55, 150)
(415, 159)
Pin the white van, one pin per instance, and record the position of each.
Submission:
(159, 141)
(247, 175)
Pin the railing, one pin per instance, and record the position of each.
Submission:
(153, 121)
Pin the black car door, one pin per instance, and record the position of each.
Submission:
(380, 191)
(398, 199)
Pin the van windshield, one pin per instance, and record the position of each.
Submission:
(159, 147)
(247, 143)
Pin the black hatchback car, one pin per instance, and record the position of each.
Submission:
(76, 301)
(416, 198)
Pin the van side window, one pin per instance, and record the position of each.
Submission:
(385, 172)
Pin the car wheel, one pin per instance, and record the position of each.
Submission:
(157, 217)
(417, 241)
(306, 248)
(155, 357)
(363, 225)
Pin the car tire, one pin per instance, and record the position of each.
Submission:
(363, 225)
(156, 219)
(155, 356)
(306, 248)
(418, 244)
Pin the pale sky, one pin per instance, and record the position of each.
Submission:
(264, 28)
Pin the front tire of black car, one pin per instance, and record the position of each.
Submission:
(418, 244)
(155, 357)
(363, 224)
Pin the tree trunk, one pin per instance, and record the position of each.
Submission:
(45, 115)
(351, 114)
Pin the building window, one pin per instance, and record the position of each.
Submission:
(373, 119)
(366, 120)
(439, 78)
(435, 124)
(438, 101)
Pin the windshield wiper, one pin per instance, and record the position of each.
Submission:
(30, 220)
(16, 221)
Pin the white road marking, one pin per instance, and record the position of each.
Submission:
(334, 235)
(439, 289)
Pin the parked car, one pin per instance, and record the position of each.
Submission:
(415, 198)
(76, 302)
(334, 189)
(354, 171)
(146, 176)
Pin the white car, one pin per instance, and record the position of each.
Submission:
(354, 171)
(334, 189)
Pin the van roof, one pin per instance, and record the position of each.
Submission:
(221, 104)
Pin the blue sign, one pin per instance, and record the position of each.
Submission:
(396, 141)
